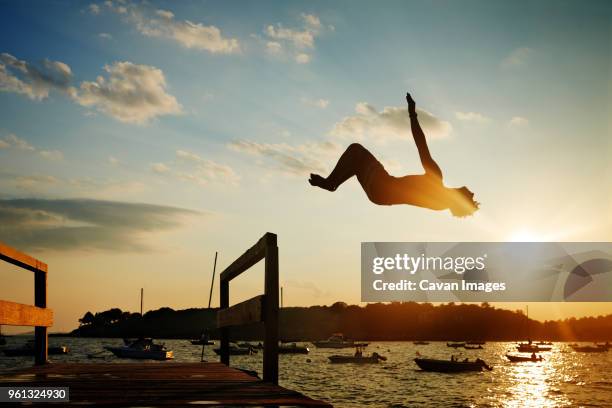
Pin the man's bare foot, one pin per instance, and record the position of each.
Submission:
(318, 181)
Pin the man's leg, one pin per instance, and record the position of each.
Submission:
(352, 162)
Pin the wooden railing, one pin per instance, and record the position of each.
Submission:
(263, 308)
(38, 316)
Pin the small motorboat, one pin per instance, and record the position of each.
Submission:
(28, 349)
(420, 343)
(476, 342)
(337, 340)
(455, 345)
(606, 345)
(258, 346)
(531, 348)
(141, 349)
(451, 366)
(237, 351)
(520, 359)
(589, 349)
(357, 358)
(478, 347)
(544, 343)
(292, 348)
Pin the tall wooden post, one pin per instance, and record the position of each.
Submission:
(270, 357)
(40, 333)
(224, 304)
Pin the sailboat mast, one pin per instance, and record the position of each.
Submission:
(141, 296)
(213, 280)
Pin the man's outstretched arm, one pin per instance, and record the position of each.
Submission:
(427, 161)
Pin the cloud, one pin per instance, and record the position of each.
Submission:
(52, 154)
(471, 117)
(105, 36)
(11, 141)
(77, 224)
(518, 121)
(189, 166)
(298, 42)
(162, 24)
(132, 93)
(292, 160)
(517, 58)
(388, 124)
(33, 81)
(94, 9)
(317, 103)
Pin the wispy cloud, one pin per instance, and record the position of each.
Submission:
(290, 159)
(518, 121)
(78, 224)
(317, 103)
(389, 124)
(11, 141)
(33, 80)
(296, 42)
(517, 58)
(191, 167)
(159, 23)
(472, 117)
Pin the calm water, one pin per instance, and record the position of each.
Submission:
(563, 379)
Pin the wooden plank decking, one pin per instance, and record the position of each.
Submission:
(157, 385)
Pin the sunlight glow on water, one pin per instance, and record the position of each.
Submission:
(564, 379)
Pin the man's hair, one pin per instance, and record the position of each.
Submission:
(463, 203)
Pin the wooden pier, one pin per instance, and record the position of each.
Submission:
(156, 385)
(161, 384)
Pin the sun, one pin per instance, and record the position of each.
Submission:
(526, 235)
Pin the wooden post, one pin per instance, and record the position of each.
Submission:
(40, 332)
(224, 304)
(270, 357)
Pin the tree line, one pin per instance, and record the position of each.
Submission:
(374, 321)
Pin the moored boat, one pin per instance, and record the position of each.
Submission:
(450, 366)
(234, 350)
(141, 349)
(292, 348)
(28, 350)
(519, 359)
(357, 358)
(455, 345)
(531, 348)
(337, 340)
(478, 347)
(420, 343)
(476, 342)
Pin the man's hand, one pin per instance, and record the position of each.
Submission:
(411, 104)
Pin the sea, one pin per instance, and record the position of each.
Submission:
(563, 379)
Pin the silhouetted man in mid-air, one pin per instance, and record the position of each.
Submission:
(424, 190)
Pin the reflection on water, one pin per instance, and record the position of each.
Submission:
(564, 379)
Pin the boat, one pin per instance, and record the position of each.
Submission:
(606, 345)
(451, 366)
(476, 342)
(531, 348)
(28, 350)
(357, 358)
(478, 347)
(258, 346)
(420, 343)
(455, 345)
(292, 348)
(237, 351)
(589, 349)
(141, 349)
(544, 343)
(519, 359)
(337, 340)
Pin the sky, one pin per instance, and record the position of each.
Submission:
(138, 138)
